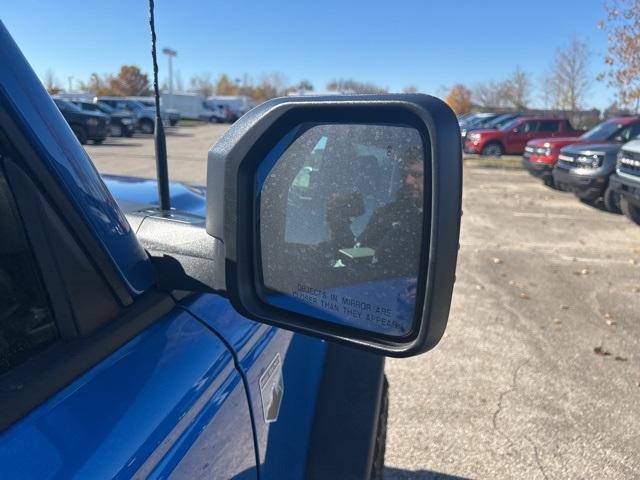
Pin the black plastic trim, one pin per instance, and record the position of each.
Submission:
(230, 204)
(344, 431)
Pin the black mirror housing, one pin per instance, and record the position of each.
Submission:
(245, 160)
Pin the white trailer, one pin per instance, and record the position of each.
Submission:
(191, 106)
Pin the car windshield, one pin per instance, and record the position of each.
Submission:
(499, 121)
(104, 108)
(66, 105)
(602, 131)
(509, 125)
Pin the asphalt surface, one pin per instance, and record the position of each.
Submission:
(538, 375)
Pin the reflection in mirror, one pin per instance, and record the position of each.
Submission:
(341, 211)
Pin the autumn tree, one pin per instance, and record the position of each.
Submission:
(224, 86)
(622, 25)
(410, 89)
(202, 84)
(51, 83)
(129, 81)
(569, 79)
(271, 85)
(459, 99)
(100, 85)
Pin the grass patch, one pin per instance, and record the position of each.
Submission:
(189, 123)
(509, 162)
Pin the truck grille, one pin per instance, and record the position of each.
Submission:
(567, 160)
(629, 163)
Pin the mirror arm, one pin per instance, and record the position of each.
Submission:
(185, 257)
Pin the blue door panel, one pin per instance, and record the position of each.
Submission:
(168, 403)
(282, 445)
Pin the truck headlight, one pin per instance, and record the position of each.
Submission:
(543, 151)
(474, 137)
(590, 161)
(126, 121)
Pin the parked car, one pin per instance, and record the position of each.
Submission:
(584, 169)
(140, 339)
(477, 122)
(492, 122)
(625, 182)
(172, 115)
(512, 137)
(145, 116)
(122, 123)
(541, 155)
(92, 126)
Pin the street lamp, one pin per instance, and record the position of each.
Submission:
(170, 53)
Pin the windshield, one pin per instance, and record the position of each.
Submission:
(104, 108)
(604, 131)
(499, 121)
(509, 125)
(66, 105)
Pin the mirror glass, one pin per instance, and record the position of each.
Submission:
(341, 218)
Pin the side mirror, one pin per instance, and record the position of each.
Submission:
(369, 258)
(515, 130)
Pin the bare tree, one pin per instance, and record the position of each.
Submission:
(569, 80)
(410, 89)
(490, 94)
(179, 83)
(202, 84)
(516, 89)
(355, 86)
(623, 53)
(51, 82)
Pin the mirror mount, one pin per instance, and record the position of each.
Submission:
(262, 135)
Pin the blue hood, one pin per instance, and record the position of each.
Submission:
(134, 194)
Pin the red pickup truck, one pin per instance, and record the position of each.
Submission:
(541, 155)
(512, 137)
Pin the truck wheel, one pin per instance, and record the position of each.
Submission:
(611, 200)
(377, 468)
(146, 125)
(630, 211)
(80, 133)
(492, 149)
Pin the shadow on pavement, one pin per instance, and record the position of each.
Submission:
(400, 474)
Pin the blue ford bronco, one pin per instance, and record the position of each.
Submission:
(233, 331)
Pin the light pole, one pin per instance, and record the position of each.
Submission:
(170, 53)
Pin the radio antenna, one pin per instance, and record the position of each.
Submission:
(162, 170)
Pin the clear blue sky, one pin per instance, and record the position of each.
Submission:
(430, 44)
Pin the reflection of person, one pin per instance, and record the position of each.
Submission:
(394, 230)
(341, 210)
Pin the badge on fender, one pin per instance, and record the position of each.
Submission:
(272, 390)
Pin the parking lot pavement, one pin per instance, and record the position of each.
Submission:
(187, 148)
(538, 375)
